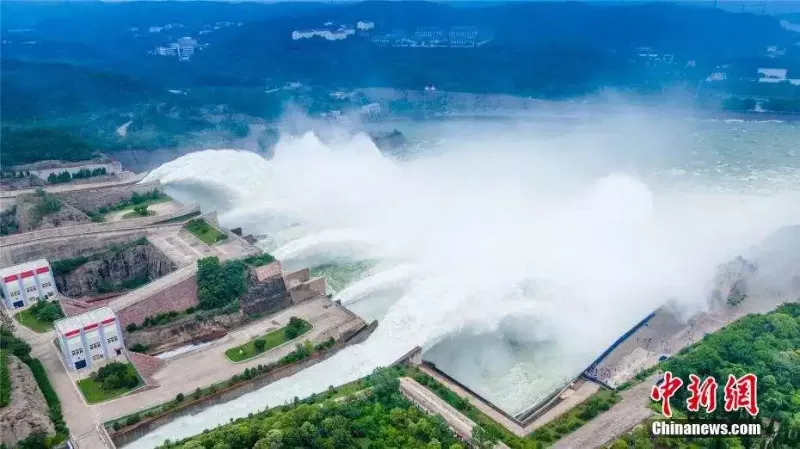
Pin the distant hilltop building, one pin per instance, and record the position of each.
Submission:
(776, 76)
(434, 37)
(365, 26)
(717, 76)
(183, 48)
(338, 34)
(772, 75)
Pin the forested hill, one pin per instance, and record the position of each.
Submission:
(89, 67)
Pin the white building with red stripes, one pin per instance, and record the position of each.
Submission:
(89, 338)
(25, 283)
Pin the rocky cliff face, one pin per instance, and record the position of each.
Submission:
(115, 270)
(27, 413)
(265, 298)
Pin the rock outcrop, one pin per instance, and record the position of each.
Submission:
(32, 214)
(115, 269)
(27, 413)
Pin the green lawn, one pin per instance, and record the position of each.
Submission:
(127, 205)
(272, 339)
(94, 393)
(27, 319)
(205, 232)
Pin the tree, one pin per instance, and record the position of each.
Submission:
(141, 210)
(260, 344)
(481, 439)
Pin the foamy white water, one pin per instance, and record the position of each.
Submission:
(519, 234)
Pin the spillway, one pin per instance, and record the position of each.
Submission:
(529, 254)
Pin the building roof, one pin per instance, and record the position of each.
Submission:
(27, 266)
(96, 316)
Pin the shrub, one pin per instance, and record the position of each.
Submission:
(66, 266)
(133, 419)
(47, 311)
(179, 397)
(131, 327)
(138, 347)
(260, 344)
(116, 375)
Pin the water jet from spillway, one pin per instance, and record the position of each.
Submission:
(577, 253)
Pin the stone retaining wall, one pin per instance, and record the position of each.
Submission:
(95, 198)
(177, 297)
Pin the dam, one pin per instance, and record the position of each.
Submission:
(519, 278)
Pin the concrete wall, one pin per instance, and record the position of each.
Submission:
(177, 297)
(93, 199)
(94, 228)
(308, 290)
(296, 278)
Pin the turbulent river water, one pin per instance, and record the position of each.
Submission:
(513, 252)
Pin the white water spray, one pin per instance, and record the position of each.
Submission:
(575, 253)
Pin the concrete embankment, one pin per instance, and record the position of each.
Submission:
(131, 433)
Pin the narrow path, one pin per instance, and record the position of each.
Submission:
(616, 421)
(427, 400)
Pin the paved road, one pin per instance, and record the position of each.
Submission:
(664, 336)
(207, 366)
(133, 179)
(616, 421)
(78, 416)
(427, 400)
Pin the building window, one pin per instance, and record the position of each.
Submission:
(77, 351)
(30, 289)
(94, 345)
(46, 284)
(13, 294)
(97, 356)
(112, 339)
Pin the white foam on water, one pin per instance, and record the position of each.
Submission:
(574, 250)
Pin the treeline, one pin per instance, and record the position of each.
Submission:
(380, 418)
(25, 145)
(83, 173)
(11, 344)
(766, 345)
(219, 283)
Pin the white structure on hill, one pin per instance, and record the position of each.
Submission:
(772, 75)
(365, 26)
(331, 35)
(89, 338)
(24, 283)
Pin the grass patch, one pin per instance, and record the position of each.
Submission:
(5, 380)
(135, 214)
(137, 199)
(204, 231)
(29, 318)
(96, 391)
(259, 260)
(294, 329)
